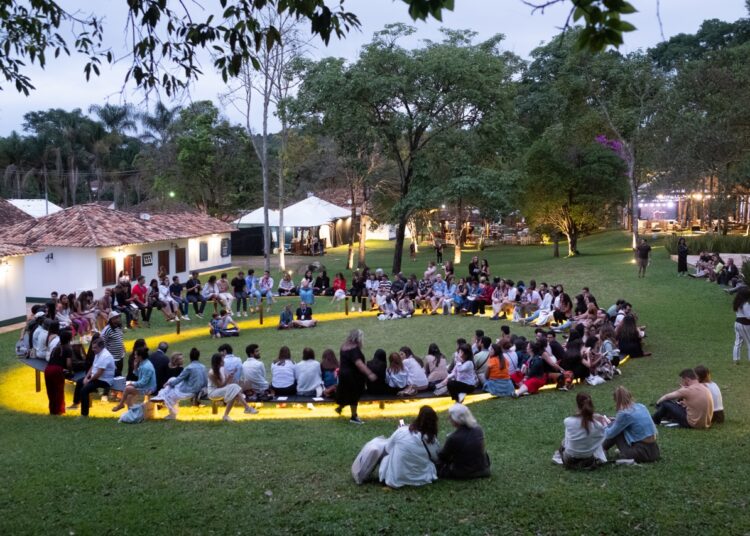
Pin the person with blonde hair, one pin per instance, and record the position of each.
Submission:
(632, 430)
(463, 456)
(353, 374)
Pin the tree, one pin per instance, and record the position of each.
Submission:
(571, 188)
(413, 96)
(166, 37)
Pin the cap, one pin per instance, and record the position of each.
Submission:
(113, 314)
(40, 314)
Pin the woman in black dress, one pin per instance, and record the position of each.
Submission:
(682, 254)
(353, 373)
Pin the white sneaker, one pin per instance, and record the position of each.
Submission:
(227, 418)
(461, 397)
(557, 458)
(186, 317)
(251, 410)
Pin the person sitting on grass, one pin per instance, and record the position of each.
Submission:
(464, 455)
(220, 387)
(388, 309)
(632, 431)
(145, 385)
(704, 377)
(463, 378)
(396, 377)
(411, 452)
(405, 307)
(190, 382)
(286, 318)
(629, 338)
(534, 376)
(254, 374)
(283, 376)
(304, 318)
(481, 357)
(498, 382)
(690, 406)
(584, 434)
(329, 366)
(224, 325)
(309, 375)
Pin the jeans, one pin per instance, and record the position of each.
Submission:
(268, 293)
(125, 311)
(306, 295)
(640, 452)
(671, 410)
(82, 392)
(241, 298)
(254, 297)
(198, 301)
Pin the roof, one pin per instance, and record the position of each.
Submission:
(10, 250)
(36, 208)
(313, 212)
(94, 226)
(10, 214)
(255, 218)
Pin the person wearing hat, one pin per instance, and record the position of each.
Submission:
(113, 337)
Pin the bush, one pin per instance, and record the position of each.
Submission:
(710, 242)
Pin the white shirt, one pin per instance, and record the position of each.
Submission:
(282, 373)
(266, 283)
(308, 374)
(39, 343)
(716, 395)
(254, 374)
(512, 358)
(233, 365)
(210, 289)
(104, 361)
(578, 443)
(407, 462)
(465, 373)
(416, 374)
(546, 304)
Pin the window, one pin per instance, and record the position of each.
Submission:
(180, 260)
(163, 258)
(203, 251)
(133, 266)
(109, 273)
(225, 250)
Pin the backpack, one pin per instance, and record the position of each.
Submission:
(368, 459)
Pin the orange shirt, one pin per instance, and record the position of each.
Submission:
(494, 372)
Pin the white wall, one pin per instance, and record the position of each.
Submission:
(78, 269)
(12, 298)
(69, 270)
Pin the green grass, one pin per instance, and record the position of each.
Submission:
(71, 476)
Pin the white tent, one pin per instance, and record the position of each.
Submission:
(36, 208)
(255, 218)
(313, 212)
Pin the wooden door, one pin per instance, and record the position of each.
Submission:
(163, 259)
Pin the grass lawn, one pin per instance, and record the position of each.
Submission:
(70, 476)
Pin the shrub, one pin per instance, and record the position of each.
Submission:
(711, 242)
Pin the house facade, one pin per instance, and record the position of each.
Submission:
(85, 247)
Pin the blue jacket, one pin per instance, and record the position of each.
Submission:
(193, 378)
(146, 377)
(635, 422)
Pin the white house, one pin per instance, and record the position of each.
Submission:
(12, 295)
(85, 247)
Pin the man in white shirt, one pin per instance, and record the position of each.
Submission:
(232, 364)
(254, 372)
(481, 358)
(416, 375)
(100, 375)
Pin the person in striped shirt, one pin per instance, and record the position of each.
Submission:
(113, 337)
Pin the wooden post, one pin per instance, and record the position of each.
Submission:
(177, 325)
(260, 310)
(346, 306)
(38, 378)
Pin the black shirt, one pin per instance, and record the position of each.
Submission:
(60, 355)
(643, 251)
(238, 284)
(160, 361)
(193, 286)
(464, 455)
(306, 315)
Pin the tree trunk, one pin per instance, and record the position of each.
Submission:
(282, 232)
(264, 174)
(572, 237)
(459, 231)
(350, 255)
(555, 244)
(633, 201)
(363, 222)
(398, 253)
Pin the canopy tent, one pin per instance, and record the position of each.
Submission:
(313, 212)
(255, 218)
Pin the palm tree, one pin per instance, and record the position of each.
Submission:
(158, 126)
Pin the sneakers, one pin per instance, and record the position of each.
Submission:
(251, 410)
(186, 317)
(557, 458)
(227, 418)
(171, 417)
(199, 315)
(461, 397)
(72, 406)
(356, 420)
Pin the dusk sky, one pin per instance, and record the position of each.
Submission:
(63, 85)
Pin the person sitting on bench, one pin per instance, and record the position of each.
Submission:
(191, 381)
(146, 383)
(100, 375)
(254, 374)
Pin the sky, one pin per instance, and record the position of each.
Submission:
(63, 85)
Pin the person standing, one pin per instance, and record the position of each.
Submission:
(741, 308)
(352, 374)
(682, 255)
(60, 359)
(642, 253)
(112, 336)
(239, 286)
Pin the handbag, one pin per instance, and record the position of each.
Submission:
(368, 458)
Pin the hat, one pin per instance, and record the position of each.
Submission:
(113, 314)
(40, 314)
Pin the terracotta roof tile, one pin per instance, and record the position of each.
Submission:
(94, 226)
(10, 214)
(11, 250)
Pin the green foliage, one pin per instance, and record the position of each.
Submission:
(603, 24)
(710, 242)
